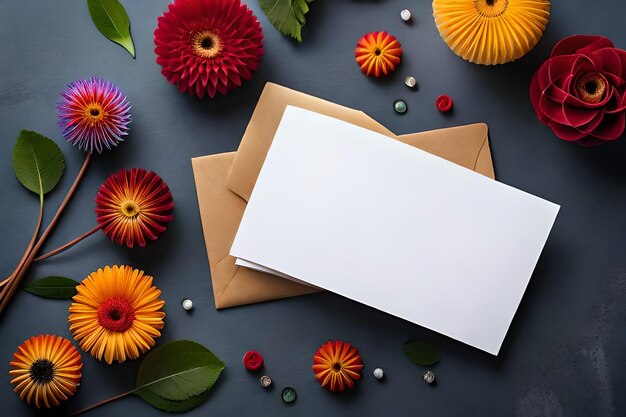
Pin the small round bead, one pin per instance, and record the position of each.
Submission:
(289, 394)
(266, 381)
(429, 377)
(405, 15)
(444, 103)
(410, 81)
(400, 106)
(187, 304)
(252, 360)
(378, 373)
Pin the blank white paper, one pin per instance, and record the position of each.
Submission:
(388, 225)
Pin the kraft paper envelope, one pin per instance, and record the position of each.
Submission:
(224, 183)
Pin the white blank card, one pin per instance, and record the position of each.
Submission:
(388, 225)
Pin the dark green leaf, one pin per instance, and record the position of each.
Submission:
(53, 287)
(38, 162)
(112, 21)
(420, 353)
(177, 371)
(286, 15)
(174, 406)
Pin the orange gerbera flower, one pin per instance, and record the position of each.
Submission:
(116, 314)
(378, 53)
(337, 365)
(46, 370)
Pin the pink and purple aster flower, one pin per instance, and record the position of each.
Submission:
(93, 114)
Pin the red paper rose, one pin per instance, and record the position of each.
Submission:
(580, 91)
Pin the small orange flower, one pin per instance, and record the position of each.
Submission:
(46, 370)
(337, 365)
(378, 53)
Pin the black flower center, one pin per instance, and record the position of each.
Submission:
(378, 51)
(94, 112)
(337, 366)
(42, 371)
(591, 87)
(207, 43)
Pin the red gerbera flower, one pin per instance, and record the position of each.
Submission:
(134, 205)
(208, 46)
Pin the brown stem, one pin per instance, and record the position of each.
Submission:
(98, 404)
(29, 248)
(68, 244)
(11, 287)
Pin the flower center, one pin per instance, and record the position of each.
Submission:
(377, 52)
(42, 371)
(116, 314)
(129, 209)
(591, 87)
(491, 8)
(94, 113)
(206, 44)
(336, 367)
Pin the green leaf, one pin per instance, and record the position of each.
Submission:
(174, 406)
(420, 353)
(177, 371)
(286, 15)
(112, 21)
(53, 287)
(38, 162)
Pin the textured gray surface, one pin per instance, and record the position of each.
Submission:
(564, 354)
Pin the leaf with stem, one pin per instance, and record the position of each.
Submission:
(53, 287)
(113, 22)
(38, 162)
(287, 16)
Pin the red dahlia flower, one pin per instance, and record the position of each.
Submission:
(580, 91)
(208, 46)
(134, 205)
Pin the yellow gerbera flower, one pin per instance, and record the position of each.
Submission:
(46, 370)
(116, 314)
(491, 32)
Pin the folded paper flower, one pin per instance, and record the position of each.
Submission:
(134, 206)
(378, 53)
(337, 365)
(117, 314)
(491, 32)
(580, 91)
(93, 114)
(46, 370)
(208, 46)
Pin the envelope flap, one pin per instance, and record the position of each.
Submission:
(467, 146)
(258, 136)
(220, 212)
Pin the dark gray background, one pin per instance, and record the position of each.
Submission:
(564, 353)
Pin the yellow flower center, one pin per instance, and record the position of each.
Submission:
(206, 44)
(129, 209)
(94, 113)
(591, 88)
(491, 8)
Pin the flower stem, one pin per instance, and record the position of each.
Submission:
(103, 402)
(9, 289)
(68, 244)
(26, 253)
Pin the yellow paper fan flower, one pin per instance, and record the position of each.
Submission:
(491, 32)
(116, 314)
(46, 370)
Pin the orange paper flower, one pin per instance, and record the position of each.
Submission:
(337, 365)
(378, 53)
(116, 314)
(46, 370)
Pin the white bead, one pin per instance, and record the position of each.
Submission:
(187, 304)
(378, 373)
(410, 81)
(405, 15)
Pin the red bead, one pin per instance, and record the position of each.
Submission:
(444, 103)
(252, 360)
